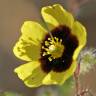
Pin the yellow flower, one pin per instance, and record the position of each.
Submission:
(51, 54)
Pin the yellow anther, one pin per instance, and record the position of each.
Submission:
(50, 58)
(60, 40)
(49, 39)
(54, 47)
(43, 47)
(56, 39)
(44, 53)
(48, 52)
(47, 43)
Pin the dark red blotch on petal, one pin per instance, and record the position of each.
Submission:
(70, 43)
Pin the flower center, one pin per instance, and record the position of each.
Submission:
(53, 47)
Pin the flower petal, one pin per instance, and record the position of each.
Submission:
(31, 74)
(60, 78)
(80, 32)
(35, 80)
(27, 49)
(26, 70)
(56, 15)
(29, 45)
(33, 30)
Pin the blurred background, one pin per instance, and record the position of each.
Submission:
(12, 15)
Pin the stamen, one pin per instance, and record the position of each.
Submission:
(54, 48)
(49, 39)
(43, 47)
(60, 40)
(47, 43)
(44, 53)
(56, 39)
(50, 58)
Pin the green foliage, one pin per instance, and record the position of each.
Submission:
(66, 87)
(10, 94)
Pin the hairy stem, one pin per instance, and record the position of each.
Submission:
(77, 85)
(80, 92)
(76, 77)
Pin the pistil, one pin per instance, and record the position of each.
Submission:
(54, 47)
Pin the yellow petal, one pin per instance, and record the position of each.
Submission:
(80, 32)
(56, 15)
(35, 80)
(60, 78)
(33, 30)
(26, 70)
(31, 74)
(27, 49)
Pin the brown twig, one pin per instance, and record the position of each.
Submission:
(76, 77)
(80, 92)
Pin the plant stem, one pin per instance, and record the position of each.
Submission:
(76, 77)
(80, 92)
(77, 86)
